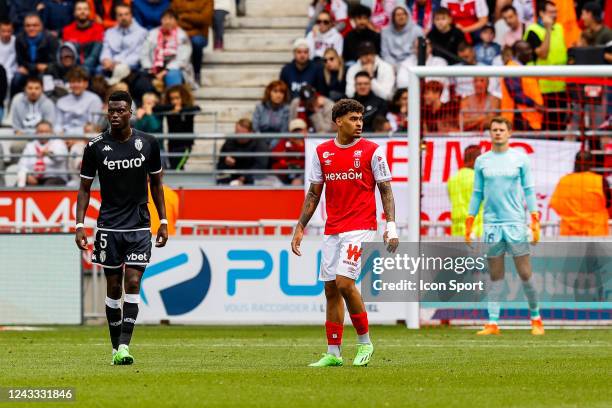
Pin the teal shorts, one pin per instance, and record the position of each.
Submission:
(511, 239)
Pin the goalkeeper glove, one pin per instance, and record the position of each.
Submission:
(535, 226)
(469, 225)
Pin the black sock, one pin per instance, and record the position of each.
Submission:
(113, 316)
(130, 312)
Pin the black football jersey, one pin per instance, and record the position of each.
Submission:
(122, 169)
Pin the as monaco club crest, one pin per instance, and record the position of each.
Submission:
(138, 144)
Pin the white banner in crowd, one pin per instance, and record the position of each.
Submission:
(443, 156)
(240, 281)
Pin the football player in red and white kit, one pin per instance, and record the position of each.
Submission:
(350, 168)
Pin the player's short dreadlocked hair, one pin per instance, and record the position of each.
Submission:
(121, 96)
(344, 106)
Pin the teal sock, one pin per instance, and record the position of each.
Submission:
(532, 299)
(494, 305)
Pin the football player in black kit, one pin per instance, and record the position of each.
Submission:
(124, 159)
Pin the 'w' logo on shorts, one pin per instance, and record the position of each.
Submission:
(353, 252)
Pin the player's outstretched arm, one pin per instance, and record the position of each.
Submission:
(157, 192)
(310, 205)
(82, 204)
(386, 194)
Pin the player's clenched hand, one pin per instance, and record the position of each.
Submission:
(390, 237)
(298, 234)
(535, 226)
(162, 236)
(469, 225)
(81, 238)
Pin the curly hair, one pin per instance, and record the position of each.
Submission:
(184, 92)
(345, 106)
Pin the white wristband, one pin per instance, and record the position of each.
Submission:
(391, 230)
(163, 221)
(79, 225)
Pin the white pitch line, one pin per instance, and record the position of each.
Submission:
(380, 345)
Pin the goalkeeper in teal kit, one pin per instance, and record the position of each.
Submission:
(502, 179)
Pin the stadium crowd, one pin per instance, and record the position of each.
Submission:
(60, 59)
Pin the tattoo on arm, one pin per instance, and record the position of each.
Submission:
(310, 203)
(386, 195)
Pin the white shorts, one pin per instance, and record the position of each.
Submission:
(341, 254)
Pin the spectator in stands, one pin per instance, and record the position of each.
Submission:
(80, 107)
(195, 17)
(105, 11)
(548, 42)
(314, 109)
(582, 200)
(381, 72)
(460, 186)
(146, 119)
(445, 37)
(522, 94)
(87, 35)
(515, 26)
(421, 12)
(398, 111)
(381, 12)
(381, 125)
(56, 14)
(18, 10)
(272, 114)
(166, 54)
(464, 86)
(469, 16)
(592, 18)
(44, 161)
(330, 81)
(178, 103)
(291, 145)
(241, 145)
(8, 55)
(437, 116)
(338, 10)
(148, 13)
(373, 105)
(430, 61)
(361, 33)
(122, 43)
(31, 107)
(301, 71)
(323, 36)
(478, 109)
(67, 57)
(398, 37)
(487, 49)
(36, 49)
(221, 10)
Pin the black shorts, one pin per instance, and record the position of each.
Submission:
(113, 249)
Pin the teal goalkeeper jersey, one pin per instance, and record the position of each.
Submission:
(504, 182)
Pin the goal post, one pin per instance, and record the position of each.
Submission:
(601, 74)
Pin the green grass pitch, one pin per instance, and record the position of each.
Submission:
(265, 366)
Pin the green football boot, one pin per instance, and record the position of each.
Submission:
(364, 353)
(328, 360)
(123, 356)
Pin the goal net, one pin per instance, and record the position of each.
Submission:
(561, 117)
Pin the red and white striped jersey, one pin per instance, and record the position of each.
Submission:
(350, 173)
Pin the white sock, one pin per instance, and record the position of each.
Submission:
(333, 349)
(364, 338)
